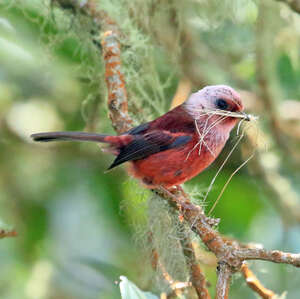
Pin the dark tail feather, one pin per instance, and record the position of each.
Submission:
(76, 136)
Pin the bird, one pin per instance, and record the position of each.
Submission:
(176, 146)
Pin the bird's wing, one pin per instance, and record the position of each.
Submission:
(138, 130)
(150, 143)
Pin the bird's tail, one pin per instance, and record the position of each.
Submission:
(115, 142)
(75, 136)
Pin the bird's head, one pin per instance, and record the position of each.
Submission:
(216, 102)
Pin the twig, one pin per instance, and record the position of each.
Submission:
(223, 282)
(255, 284)
(197, 277)
(274, 256)
(7, 233)
(176, 286)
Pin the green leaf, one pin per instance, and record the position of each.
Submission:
(130, 291)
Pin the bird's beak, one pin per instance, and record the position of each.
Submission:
(245, 116)
(241, 115)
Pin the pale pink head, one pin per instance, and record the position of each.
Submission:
(220, 97)
(217, 101)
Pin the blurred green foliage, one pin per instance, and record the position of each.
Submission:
(80, 228)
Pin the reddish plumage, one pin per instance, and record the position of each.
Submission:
(176, 146)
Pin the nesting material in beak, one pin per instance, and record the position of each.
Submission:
(242, 115)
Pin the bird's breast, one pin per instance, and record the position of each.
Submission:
(175, 166)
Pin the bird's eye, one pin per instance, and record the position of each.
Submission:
(221, 104)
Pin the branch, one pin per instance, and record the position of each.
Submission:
(227, 251)
(197, 277)
(7, 233)
(274, 256)
(117, 95)
(255, 284)
(223, 282)
(110, 41)
(177, 287)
